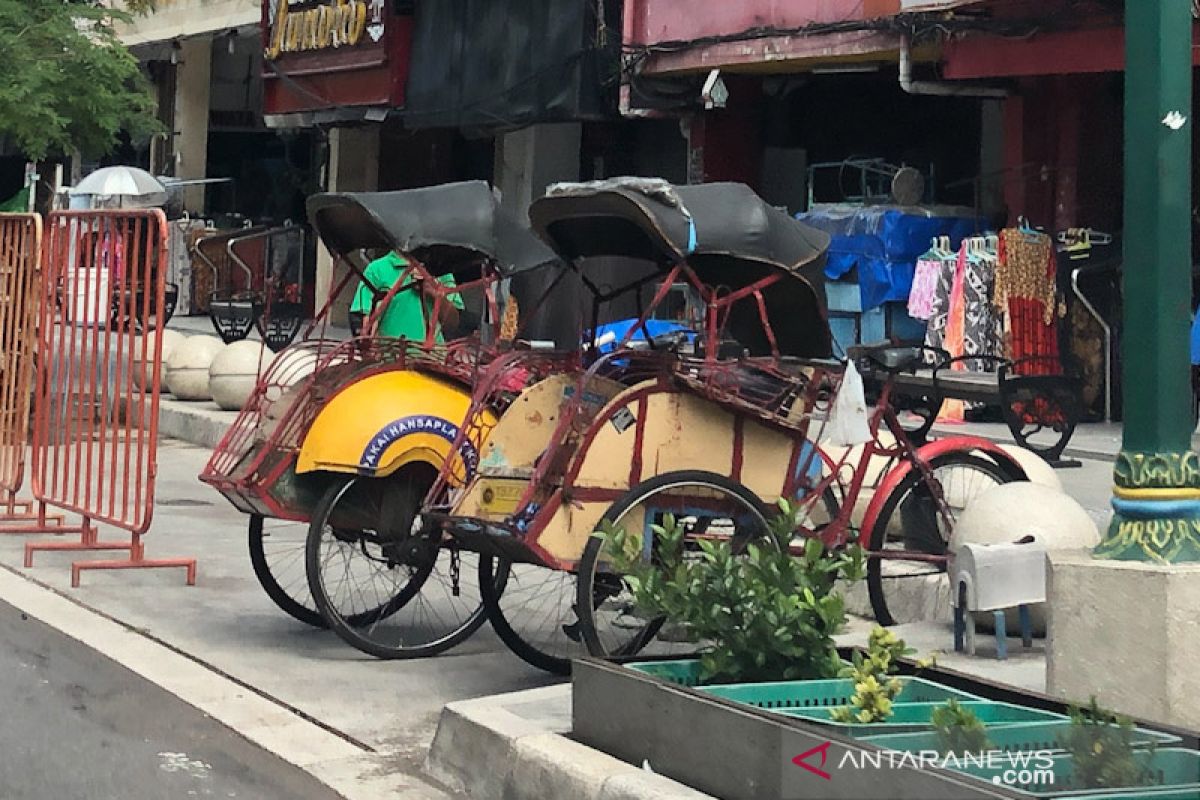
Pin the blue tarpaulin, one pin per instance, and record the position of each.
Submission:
(883, 245)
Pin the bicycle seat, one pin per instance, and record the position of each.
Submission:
(893, 359)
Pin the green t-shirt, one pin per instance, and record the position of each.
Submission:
(405, 314)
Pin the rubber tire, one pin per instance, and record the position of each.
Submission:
(591, 553)
(346, 631)
(262, 571)
(493, 575)
(875, 540)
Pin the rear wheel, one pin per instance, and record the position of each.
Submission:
(709, 506)
(277, 556)
(908, 545)
(386, 586)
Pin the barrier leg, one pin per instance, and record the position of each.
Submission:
(137, 560)
(89, 540)
(14, 510)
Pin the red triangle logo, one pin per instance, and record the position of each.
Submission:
(802, 760)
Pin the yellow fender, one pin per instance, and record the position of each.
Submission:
(376, 425)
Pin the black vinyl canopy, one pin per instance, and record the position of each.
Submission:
(450, 228)
(725, 232)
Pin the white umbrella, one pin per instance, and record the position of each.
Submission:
(121, 183)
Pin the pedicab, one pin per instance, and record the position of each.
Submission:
(363, 424)
(713, 428)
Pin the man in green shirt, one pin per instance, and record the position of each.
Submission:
(408, 309)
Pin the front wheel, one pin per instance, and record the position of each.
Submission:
(277, 556)
(384, 584)
(910, 541)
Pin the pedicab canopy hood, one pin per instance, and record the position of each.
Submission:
(450, 228)
(725, 232)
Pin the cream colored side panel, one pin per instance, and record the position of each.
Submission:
(567, 534)
(766, 454)
(526, 428)
(686, 432)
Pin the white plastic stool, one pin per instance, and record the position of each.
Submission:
(993, 578)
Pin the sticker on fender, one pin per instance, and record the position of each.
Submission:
(500, 497)
(623, 420)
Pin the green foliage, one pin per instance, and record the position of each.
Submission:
(69, 81)
(958, 730)
(761, 613)
(1101, 746)
(874, 687)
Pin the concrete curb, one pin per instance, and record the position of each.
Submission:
(198, 423)
(489, 752)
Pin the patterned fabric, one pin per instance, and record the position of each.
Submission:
(939, 307)
(980, 330)
(1027, 297)
(924, 289)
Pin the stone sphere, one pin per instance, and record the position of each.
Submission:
(234, 372)
(1012, 511)
(1037, 469)
(141, 369)
(187, 368)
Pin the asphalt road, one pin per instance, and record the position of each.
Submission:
(78, 726)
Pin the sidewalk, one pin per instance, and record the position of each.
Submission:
(319, 694)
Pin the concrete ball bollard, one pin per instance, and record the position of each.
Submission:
(141, 367)
(234, 373)
(187, 368)
(1012, 511)
(1037, 469)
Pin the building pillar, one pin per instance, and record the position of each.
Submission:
(192, 95)
(1157, 494)
(531, 159)
(353, 167)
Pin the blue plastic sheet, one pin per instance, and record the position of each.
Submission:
(883, 245)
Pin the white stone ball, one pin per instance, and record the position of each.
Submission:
(141, 370)
(234, 372)
(1010, 512)
(1037, 469)
(187, 368)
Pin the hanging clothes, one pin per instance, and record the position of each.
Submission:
(1027, 295)
(922, 298)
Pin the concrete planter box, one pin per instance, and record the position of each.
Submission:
(734, 751)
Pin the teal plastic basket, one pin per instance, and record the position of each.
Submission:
(1144, 794)
(685, 672)
(1175, 772)
(916, 717)
(823, 694)
(1027, 737)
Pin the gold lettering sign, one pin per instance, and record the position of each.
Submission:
(334, 24)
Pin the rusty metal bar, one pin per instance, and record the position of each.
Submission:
(95, 430)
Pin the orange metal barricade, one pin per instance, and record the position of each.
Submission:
(20, 279)
(95, 426)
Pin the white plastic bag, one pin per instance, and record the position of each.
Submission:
(849, 421)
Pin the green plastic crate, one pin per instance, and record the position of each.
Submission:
(1144, 794)
(1175, 772)
(1028, 737)
(915, 717)
(685, 672)
(823, 694)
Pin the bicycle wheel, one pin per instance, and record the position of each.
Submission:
(709, 506)
(910, 589)
(277, 556)
(385, 586)
(532, 610)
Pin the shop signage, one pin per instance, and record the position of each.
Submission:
(298, 26)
